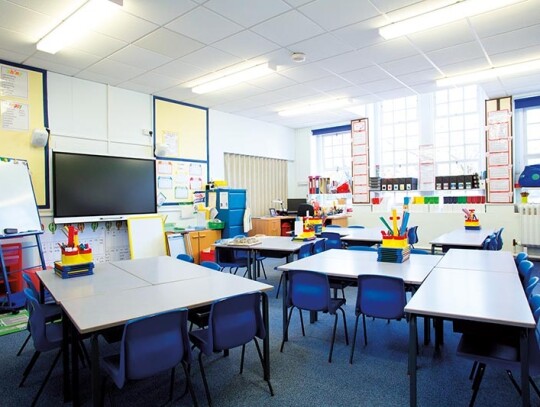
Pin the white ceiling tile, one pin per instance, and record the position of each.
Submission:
(149, 90)
(457, 53)
(210, 59)
(445, 36)
(288, 28)
(246, 45)
(70, 57)
(51, 66)
(204, 25)
(155, 81)
(297, 3)
(369, 74)
(349, 61)
(98, 44)
(343, 12)
(381, 86)
(15, 57)
(53, 8)
(414, 78)
(178, 93)
(526, 37)
(248, 12)
(354, 91)
(267, 98)
(169, 43)
(396, 93)
(506, 19)
(139, 57)
(96, 77)
(116, 70)
(328, 83)
(362, 34)
(321, 47)
(305, 73)
(17, 42)
(297, 91)
(126, 27)
(33, 24)
(179, 70)
(470, 65)
(407, 65)
(272, 82)
(158, 11)
(386, 6)
(389, 50)
(516, 55)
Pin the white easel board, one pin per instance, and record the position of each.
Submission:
(146, 236)
(176, 244)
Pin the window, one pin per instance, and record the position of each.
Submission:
(458, 132)
(399, 138)
(334, 152)
(527, 121)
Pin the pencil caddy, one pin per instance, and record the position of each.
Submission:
(76, 259)
(395, 242)
(471, 221)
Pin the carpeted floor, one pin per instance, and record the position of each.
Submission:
(301, 375)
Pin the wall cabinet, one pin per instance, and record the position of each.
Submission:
(199, 240)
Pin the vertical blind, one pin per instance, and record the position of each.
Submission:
(265, 180)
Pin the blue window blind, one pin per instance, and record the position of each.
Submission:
(527, 102)
(329, 130)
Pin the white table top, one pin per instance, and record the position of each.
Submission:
(352, 263)
(274, 243)
(463, 237)
(106, 278)
(102, 311)
(483, 260)
(162, 269)
(473, 295)
(362, 235)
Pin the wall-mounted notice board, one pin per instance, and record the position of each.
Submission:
(146, 236)
(18, 208)
(23, 108)
(178, 180)
(360, 160)
(499, 150)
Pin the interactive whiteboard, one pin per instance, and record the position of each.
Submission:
(18, 208)
(146, 236)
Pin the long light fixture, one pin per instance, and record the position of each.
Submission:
(316, 107)
(88, 17)
(487, 74)
(444, 15)
(233, 78)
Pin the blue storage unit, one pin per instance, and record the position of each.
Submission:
(231, 205)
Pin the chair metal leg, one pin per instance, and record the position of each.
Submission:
(28, 369)
(354, 339)
(242, 358)
(205, 382)
(345, 326)
(262, 363)
(476, 383)
(286, 329)
(302, 322)
(279, 285)
(513, 380)
(189, 385)
(171, 386)
(473, 370)
(365, 331)
(333, 339)
(36, 398)
(535, 387)
(24, 344)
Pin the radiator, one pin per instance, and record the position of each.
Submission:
(530, 224)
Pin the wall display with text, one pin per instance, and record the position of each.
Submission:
(178, 180)
(360, 160)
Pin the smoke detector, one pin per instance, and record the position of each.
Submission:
(298, 57)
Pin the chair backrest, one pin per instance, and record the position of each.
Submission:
(419, 251)
(490, 243)
(356, 227)
(305, 250)
(333, 226)
(534, 302)
(37, 323)
(185, 257)
(412, 235)
(520, 257)
(318, 246)
(381, 296)
(234, 321)
(211, 265)
(30, 284)
(363, 248)
(153, 344)
(525, 270)
(309, 290)
(499, 239)
(533, 281)
(306, 208)
(333, 240)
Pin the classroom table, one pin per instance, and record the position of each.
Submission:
(359, 237)
(269, 246)
(471, 295)
(461, 239)
(349, 264)
(491, 260)
(114, 307)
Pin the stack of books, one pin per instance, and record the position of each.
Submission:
(391, 255)
(76, 270)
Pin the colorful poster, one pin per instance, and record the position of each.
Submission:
(13, 82)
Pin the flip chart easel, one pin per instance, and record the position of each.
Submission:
(146, 236)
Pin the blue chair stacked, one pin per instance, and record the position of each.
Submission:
(234, 322)
(310, 291)
(378, 297)
(520, 257)
(185, 257)
(525, 269)
(152, 345)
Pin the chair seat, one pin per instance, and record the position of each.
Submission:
(52, 312)
(335, 304)
(200, 338)
(482, 348)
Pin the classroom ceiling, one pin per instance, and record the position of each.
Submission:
(159, 46)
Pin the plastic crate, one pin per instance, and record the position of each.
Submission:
(216, 225)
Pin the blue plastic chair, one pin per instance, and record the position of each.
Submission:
(46, 337)
(318, 246)
(525, 269)
(185, 257)
(520, 257)
(419, 251)
(357, 227)
(499, 239)
(310, 291)
(412, 235)
(211, 265)
(490, 243)
(332, 226)
(531, 284)
(363, 248)
(199, 316)
(234, 322)
(378, 297)
(305, 251)
(152, 345)
(333, 240)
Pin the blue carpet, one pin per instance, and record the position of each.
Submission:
(301, 375)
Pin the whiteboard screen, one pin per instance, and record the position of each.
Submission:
(18, 209)
(146, 237)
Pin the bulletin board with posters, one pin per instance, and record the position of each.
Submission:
(23, 108)
(178, 180)
(360, 160)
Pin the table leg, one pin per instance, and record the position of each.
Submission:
(427, 331)
(524, 354)
(412, 359)
(96, 380)
(251, 274)
(266, 341)
(74, 365)
(284, 299)
(65, 356)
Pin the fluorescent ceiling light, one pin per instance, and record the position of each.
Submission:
(487, 74)
(233, 78)
(316, 107)
(441, 16)
(88, 17)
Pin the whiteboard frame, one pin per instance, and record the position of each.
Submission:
(146, 235)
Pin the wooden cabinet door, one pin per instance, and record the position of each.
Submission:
(192, 247)
(273, 227)
(207, 238)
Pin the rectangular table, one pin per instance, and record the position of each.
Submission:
(486, 260)
(115, 306)
(461, 238)
(349, 264)
(359, 237)
(471, 295)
